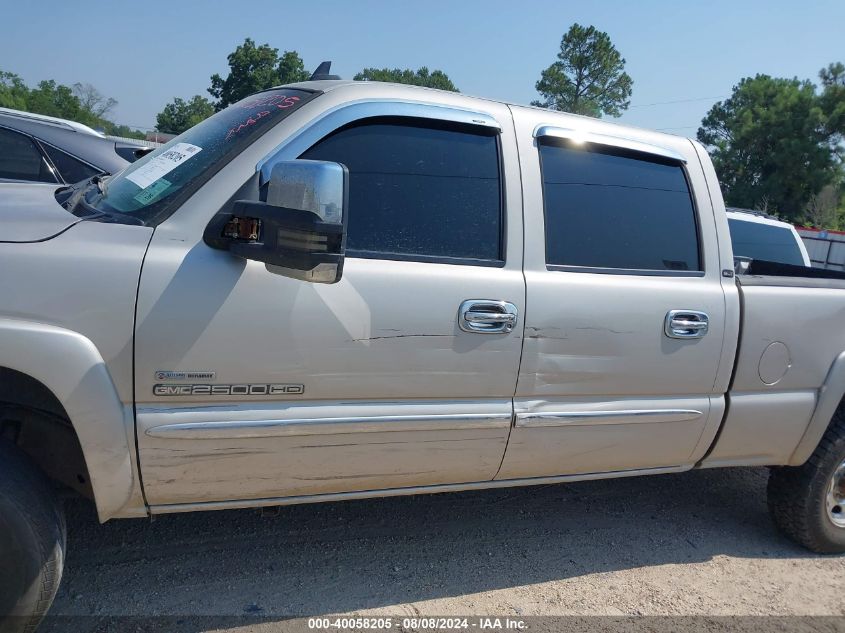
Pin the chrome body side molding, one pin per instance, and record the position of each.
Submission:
(578, 418)
(241, 429)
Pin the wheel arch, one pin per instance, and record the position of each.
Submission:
(67, 366)
(831, 397)
(34, 420)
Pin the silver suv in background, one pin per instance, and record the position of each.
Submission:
(39, 148)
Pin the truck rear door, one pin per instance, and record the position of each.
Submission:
(629, 340)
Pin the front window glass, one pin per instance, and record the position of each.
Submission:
(419, 190)
(152, 187)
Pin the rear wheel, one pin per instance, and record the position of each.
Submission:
(807, 502)
(32, 542)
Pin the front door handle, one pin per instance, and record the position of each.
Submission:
(686, 324)
(486, 316)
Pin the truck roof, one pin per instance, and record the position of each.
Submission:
(367, 88)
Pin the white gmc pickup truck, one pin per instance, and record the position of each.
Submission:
(334, 290)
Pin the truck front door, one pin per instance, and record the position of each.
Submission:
(386, 379)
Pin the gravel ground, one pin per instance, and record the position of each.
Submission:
(698, 543)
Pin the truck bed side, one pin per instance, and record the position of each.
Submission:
(792, 333)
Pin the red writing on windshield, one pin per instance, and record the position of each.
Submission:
(280, 102)
(252, 120)
(269, 100)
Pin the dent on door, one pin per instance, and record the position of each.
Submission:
(601, 435)
(625, 318)
(603, 386)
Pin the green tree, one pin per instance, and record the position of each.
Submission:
(291, 69)
(588, 78)
(823, 209)
(832, 101)
(82, 103)
(92, 100)
(421, 77)
(253, 68)
(179, 115)
(13, 91)
(770, 143)
(56, 100)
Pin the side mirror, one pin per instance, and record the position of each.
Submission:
(298, 228)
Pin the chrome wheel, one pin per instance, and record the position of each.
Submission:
(836, 497)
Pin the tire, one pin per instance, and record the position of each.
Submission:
(32, 542)
(798, 496)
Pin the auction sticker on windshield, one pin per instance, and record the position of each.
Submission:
(151, 193)
(163, 164)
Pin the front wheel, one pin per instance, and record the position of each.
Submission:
(32, 542)
(807, 502)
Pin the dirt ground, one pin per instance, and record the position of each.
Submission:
(699, 543)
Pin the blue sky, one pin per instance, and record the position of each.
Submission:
(145, 53)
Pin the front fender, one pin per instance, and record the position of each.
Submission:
(70, 365)
(830, 396)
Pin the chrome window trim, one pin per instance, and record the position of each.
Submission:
(594, 138)
(424, 259)
(641, 272)
(343, 114)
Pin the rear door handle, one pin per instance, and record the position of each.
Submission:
(686, 324)
(487, 316)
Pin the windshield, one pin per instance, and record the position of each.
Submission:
(764, 241)
(152, 188)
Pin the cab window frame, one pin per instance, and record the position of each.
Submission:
(633, 154)
(435, 124)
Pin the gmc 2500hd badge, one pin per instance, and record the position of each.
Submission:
(251, 389)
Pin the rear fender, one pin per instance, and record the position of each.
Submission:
(830, 397)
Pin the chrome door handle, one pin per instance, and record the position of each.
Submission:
(486, 316)
(686, 324)
(489, 317)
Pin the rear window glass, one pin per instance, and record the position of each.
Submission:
(617, 211)
(21, 160)
(756, 240)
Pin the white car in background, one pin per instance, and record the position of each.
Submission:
(758, 236)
